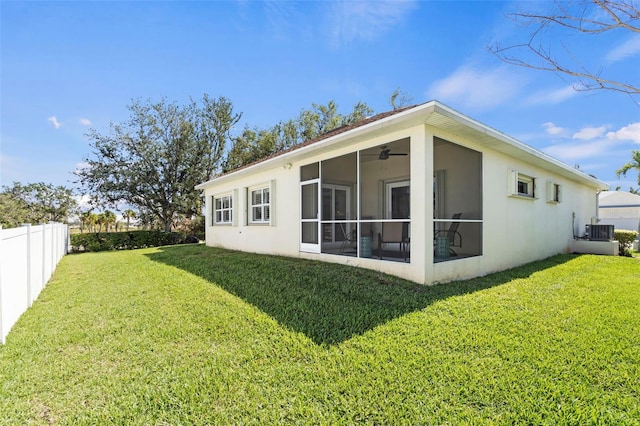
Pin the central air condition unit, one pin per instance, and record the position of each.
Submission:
(600, 232)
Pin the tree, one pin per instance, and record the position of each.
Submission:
(129, 214)
(100, 221)
(634, 164)
(254, 143)
(87, 220)
(35, 203)
(589, 17)
(400, 99)
(154, 160)
(13, 211)
(107, 218)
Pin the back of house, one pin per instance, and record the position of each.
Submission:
(425, 193)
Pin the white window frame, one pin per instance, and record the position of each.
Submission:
(554, 192)
(262, 205)
(218, 212)
(517, 180)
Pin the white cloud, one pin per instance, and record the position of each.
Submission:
(55, 121)
(280, 17)
(365, 20)
(627, 133)
(82, 166)
(85, 122)
(554, 130)
(588, 133)
(476, 89)
(551, 97)
(84, 201)
(626, 49)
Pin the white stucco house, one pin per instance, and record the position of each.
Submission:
(619, 208)
(423, 192)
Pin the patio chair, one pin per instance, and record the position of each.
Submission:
(451, 234)
(349, 238)
(392, 232)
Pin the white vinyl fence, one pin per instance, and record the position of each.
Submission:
(28, 257)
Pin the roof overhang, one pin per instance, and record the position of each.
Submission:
(434, 114)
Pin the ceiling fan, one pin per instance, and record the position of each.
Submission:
(386, 152)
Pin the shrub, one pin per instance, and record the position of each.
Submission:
(625, 239)
(127, 240)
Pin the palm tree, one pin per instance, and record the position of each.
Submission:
(88, 220)
(129, 214)
(634, 164)
(107, 218)
(85, 221)
(100, 220)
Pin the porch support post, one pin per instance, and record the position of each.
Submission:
(421, 203)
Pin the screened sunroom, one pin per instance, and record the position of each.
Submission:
(359, 204)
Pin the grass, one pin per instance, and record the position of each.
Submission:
(197, 335)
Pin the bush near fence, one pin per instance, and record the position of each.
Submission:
(127, 240)
(625, 238)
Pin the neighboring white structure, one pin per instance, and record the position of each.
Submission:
(337, 197)
(620, 209)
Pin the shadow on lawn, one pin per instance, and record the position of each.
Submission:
(329, 303)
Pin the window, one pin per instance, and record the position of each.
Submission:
(525, 186)
(521, 185)
(222, 210)
(260, 205)
(554, 192)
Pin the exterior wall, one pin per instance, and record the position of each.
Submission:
(621, 217)
(281, 237)
(620, 209)
(518, 230)
(619, 212)
(621, 223)
(535, 228)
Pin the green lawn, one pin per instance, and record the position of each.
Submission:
(196, 335)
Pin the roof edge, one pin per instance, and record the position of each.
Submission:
(513, 142)
(333, 136)
(384, 119)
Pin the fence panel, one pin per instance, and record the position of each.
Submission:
(37, 262)
(28, 257)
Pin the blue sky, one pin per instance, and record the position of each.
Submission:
(67, 67)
